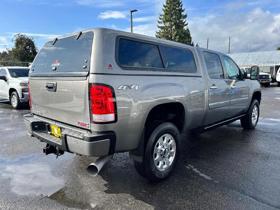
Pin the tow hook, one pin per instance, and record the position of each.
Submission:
(49, 149)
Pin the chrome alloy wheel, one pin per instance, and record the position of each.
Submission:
(14, 100)
(255, 115)
(164, 152)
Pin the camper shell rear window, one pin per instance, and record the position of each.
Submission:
(65, 56)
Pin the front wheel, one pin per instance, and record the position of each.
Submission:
(161, 153)
(250, 120)
(14, 100)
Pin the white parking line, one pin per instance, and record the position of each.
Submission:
(272, 119)
(198, 172)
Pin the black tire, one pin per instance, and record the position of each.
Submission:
(278, 84)
(148, 168)
(14, 100)
(248, 122)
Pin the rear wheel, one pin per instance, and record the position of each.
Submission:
(161, 153)
(250, 120)
(14, 100)
(278, 83)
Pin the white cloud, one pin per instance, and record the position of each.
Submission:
(144, 19)
(38, 35)
(145, 29)
(112, 15)
(254, 31)
(100, 3)
(4, 43)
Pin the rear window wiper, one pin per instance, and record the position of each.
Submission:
(54, 41)
(79, 35)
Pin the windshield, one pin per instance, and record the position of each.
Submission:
(19, 72)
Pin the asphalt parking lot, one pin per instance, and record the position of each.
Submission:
(226, 168)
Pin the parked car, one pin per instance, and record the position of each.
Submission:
(102, 91)
(14, 85)
(264, 79)
(278, 77)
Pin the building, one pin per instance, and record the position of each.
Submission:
(268, 62)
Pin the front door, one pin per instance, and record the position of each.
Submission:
(4, 89)
(239, 87)
(218, 89)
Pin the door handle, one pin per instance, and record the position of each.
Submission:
(213, 87)
(51, 86)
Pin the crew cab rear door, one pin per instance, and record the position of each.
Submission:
(218, 89)
(59, 80)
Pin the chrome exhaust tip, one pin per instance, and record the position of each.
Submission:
(95, 168)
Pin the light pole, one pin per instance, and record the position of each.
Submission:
(131, 19)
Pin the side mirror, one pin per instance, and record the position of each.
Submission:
(254, 73)
(3, 78)
(243, 74)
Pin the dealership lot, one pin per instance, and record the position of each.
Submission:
(226, 168)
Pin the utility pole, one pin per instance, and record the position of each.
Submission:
(207, 43)
(131, 19)
(229, 45)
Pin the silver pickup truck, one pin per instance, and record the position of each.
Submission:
(102, 91)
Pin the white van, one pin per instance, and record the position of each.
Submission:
(14, 85)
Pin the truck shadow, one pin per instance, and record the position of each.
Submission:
(119, 185)
(5, 104)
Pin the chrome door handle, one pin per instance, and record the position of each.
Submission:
(213, 87)
(51, 86)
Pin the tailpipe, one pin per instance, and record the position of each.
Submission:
(96, 167)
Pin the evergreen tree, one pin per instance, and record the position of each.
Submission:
(172, 24)
(25, 49)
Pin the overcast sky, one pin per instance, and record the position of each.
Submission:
(253, 25)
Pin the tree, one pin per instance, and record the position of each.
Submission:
(172, 23)
(24, 50)
(6, 58)
(278, 48)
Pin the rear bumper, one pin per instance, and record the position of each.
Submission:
(73, 140)
(24, 97)
(264, 81)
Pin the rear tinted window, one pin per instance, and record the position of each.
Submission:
(214, 65)
(177, 59)
(65, 55)
(138, 54)
(19, 72)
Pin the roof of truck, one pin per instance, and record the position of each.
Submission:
(128, 34)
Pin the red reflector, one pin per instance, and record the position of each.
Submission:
(102, 99)
(29, 101)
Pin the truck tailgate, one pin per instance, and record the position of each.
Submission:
(68, 102)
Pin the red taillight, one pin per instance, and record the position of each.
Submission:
(102, 103)
(30, 104)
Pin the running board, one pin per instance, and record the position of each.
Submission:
(223, 122)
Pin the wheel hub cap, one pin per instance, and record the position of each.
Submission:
(164, 152)
(255, 115)
(14, 100)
